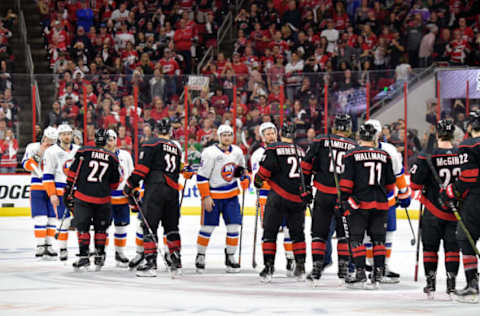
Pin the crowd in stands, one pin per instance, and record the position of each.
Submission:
(9, 107)
(106, 52)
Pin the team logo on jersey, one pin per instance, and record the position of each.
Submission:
(66, 166)
(227, 171)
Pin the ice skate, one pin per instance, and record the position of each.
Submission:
(175, 265)
(356, 281)
(230, 264)
(99, 261)
(267, 273)
(342, 269)
(299, 271)
(39, 251)
(81, 264)
(167, 260)
(136, 261)
(469, 294)
(200, 263)
(290, 267)
(451, 282)
(49, 253)
(121, 260)
(429, 289)
(63, 254)
(148, 268)
(316, 273)
(390, 277)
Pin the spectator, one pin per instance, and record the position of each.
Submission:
(84, 15)
(8, 152)
(293, 71)
(458, 49)
(425, 52)
(124, 141)
(3, 128)
(414, 37)
(77, 137)
(54, 117)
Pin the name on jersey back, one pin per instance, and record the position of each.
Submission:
(170, 149)
(370, 156)
(99, 155)
(339, 144)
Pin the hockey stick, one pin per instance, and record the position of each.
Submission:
(241, 230)
(70, 194)
(183, 194)
(346, 226)
(257, 211)
(150, 231)
(452, 206)
(419, 236)
(412, 241)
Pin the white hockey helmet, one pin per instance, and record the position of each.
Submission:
(224, 129)
(64, 128)
(111, 133)
(376, 124)
(51, 133)
(265, 126)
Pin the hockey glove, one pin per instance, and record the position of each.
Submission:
(404, 199)
(449, 194)
(339, 210)
(67, 197)
(351, 204)
(306, 196)
(238, 171)
(188, 172)
(258, 182)
(245, 182)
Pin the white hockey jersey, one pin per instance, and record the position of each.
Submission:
(255, 160)
(29, 164)
(215, 176)
(56, 163)
(397, 166)
(126, 168)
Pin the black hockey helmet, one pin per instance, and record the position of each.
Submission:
(367, 132)
(474, 120)
(164, 126)
(288, 129)
(445, 129)
(101, 136)
(343, 123)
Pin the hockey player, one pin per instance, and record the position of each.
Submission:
(120, 208)
(402, 198)
(97, 172)
(42, 212)
(467, 188)
(159, 166)
(221, 165)
(280, 166)
(56, 163)
(438, 222)
(320, 163)
(365, 181)
(268, 133)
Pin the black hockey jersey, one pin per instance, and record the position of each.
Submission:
(447, 164)
(159, 161)
(281, 168)
(98, 174)
(320, 163)
(368, 176)
(469, 152)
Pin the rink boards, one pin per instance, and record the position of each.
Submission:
(15, 198)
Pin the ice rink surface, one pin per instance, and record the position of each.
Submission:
(31, 286)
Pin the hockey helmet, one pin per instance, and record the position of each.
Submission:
(164, 126)
(367, 132)
(64, 128)
(474, 120)
(224, 129)
(51, 133)
(101, 136)
(376, 124)
(343, 123)
(265, 126)
(445, 129)
(111, 133)
(288, 129)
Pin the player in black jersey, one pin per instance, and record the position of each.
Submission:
(280, 166)
(320, 163)
(96, 171)
(365, 181)
(159, 165)
(438, 222)
(467, 188)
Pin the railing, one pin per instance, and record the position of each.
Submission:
(207, 57)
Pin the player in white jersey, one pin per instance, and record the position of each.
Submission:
(42, 213)
(268, 133)
(403, 196)
(220, 167)
(56, 162)
(120, 208)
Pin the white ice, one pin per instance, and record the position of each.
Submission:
(30, 286)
